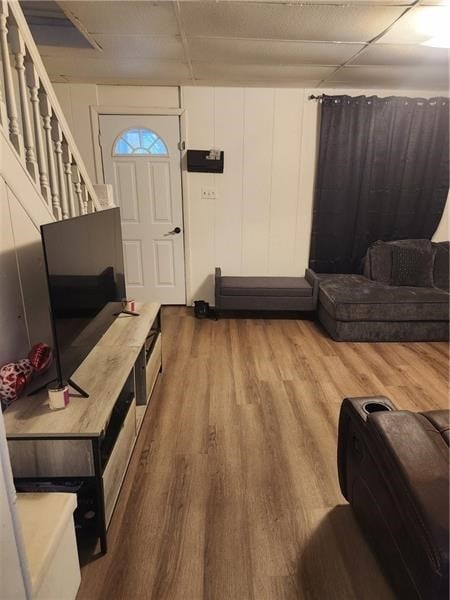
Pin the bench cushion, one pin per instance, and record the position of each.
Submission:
(355, 298)
(265, 286)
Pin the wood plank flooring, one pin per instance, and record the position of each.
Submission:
(232, 491)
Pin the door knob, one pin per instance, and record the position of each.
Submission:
(174, 231)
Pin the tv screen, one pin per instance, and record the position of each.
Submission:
(86, 283)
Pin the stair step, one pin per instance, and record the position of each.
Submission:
(44, 521)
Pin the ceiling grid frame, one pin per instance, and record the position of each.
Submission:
(256, 43)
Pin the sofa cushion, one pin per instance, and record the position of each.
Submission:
(380, 257)
(412, 267)
(441, 265)
(380, 261)
(440, 419)
(265, 286)
(383, 331)
(356, 298)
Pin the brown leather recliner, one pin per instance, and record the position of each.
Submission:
(393, 469)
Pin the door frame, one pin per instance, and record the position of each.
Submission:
(96, 111)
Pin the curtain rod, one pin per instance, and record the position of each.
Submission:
(312, 97)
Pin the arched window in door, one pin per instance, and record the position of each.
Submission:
(139, 140)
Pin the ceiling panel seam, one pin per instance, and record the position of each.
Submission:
(371, 42)
(183, 39)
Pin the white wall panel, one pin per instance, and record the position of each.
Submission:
(229, 135)
(284, 193)
(23, 298)
(258, 154)
(201, 234)
(307, 173)
(251, 228)
(135, 95)
(31, 267)
(14, 343)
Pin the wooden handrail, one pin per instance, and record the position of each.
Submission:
(39, 131)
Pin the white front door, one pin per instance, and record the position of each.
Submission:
(141, 160)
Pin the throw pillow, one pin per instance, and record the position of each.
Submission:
(412, 267)
(380, 256)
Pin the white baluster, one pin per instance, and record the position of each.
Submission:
(46, 112)
(57, 139)
(85, 197)
(91, 204)
(67, 159)
(76, 178)
(11, 108)
(19, 51)
(33, 85)
(3, 118)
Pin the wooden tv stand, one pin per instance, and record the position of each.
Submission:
(86, 447)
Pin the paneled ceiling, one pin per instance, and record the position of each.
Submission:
(359, 43)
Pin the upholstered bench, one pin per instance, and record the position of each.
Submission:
(266, 293)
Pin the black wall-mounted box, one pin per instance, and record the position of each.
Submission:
(198, 163)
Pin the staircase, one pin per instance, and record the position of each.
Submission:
(34, 126)
(42, 179)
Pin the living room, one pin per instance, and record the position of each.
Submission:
(232, 489)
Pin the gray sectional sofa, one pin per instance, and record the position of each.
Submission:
(402, 295)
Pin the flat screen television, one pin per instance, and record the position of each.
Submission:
(86, 284)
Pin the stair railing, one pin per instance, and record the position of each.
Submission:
(32, 120)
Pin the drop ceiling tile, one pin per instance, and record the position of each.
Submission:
(345, 2)
(414, 27)
(361, 2)
(403, 54)
(270, 52)
(419, 78)
(258, 73)
(141, 46)
(145, 18)
(119, 47)
(433, 2)
(138, 71)
(354, 23)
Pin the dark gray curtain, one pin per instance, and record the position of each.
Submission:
(383, 174)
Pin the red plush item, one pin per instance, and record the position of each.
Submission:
(13, 379)
(14, 376)
(41, 357)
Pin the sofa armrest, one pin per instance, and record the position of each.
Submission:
(314, 281)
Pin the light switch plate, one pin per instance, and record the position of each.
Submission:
(209, 193)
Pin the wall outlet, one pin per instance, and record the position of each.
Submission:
(209, 193)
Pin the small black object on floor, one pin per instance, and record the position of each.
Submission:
(202, 310)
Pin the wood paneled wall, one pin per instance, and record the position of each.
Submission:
(76, 100)
(259, 223)
(24, 316)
